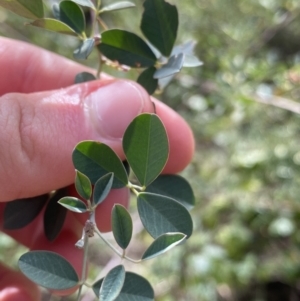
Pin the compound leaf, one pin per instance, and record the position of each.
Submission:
(83, 185)
(87, 3)
(121, 226)
(173, 66)
(163, 244)
(102, 188)
(73, 204)
(84, 77)
(30, 9)
(53, 25)
(48, 269)
(84, 50)
(147, 81)
(135, 288)
(127, 48)
(160, 215)
(160, 24)
(19, 213)
(95, 159)
(146, 147)
(112, 284)
(175, 187)
(117, 6)
(72, 15)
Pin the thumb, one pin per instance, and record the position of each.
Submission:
(40, 130)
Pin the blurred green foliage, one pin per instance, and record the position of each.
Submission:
(246, 170)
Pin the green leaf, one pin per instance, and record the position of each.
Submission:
(117, 6)
(163, 244)
(147, 81)
(54, 25)
(19, 213)
(146, 147)
(48, 269)
(72, 15)
(173, 66)
(95, 159)
(159, 24)
(160, 215)
(87, 3)
(73, 204)
(112, 284)
(84, 50)
(121, 226)
(83, 185)
(102, 188)
(84, 77)
(127, 48)
(55, 215)
(174, 186)
(135, 288)
(30, 9)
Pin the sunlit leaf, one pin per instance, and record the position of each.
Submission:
(19, 213)
(102, 188)
(53, 25)
(117, 6)
(73, 204)
(48, 269)
(146, 147)
(127, 48)
(30, 9)
(84, 77)
(95, 159)
(112, 284)
(163, 244)
(55, 215)
(83, 185)
(174, 186)
(121, 226)
(147, 81)
(135, 288)
(72, 15)
(84, 50)
(159, 24)
(160, 215)
(87, 3)
(173, 66)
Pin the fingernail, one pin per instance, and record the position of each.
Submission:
(112, 107)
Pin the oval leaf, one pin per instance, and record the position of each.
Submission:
(147, 81)
(146, 147)
(160, 215)
(30, 9)
(84, 50)
(48, 269)
(127, 48)
(73, 204)
(55, 215)
(112, 284)
(87, 3)
(84, 77)
(121, 226)
(19, 213)
(83, 185)
(173, 66)
(102, 188)
(135, 288)
(95, 160)
(163, 244)
(174, 186)
(160, 24)
(117, 6)
(53, 25)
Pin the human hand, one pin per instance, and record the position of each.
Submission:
(42, 117)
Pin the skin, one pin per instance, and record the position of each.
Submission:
(42, 117)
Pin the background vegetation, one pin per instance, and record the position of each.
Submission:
(243, 106)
